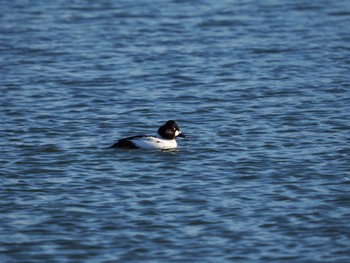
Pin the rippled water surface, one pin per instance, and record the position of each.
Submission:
(261, 88)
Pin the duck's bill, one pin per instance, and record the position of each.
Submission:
(181, 135)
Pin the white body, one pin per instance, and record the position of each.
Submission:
(154, 143)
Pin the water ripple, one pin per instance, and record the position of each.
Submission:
(260, 89)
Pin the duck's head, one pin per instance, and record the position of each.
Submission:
(170, 130)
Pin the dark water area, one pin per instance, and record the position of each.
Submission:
(261, 88)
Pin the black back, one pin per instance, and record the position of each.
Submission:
(127, 143)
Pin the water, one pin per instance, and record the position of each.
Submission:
(261, 88)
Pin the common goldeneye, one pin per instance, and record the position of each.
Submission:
(166, 139)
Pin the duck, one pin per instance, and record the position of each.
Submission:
(166, 139)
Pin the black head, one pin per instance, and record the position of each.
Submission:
(170, 130)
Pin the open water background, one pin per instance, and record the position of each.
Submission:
(261, 88)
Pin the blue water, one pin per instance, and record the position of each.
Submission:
(261, 88)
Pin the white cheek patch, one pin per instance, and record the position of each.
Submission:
(177, 133)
